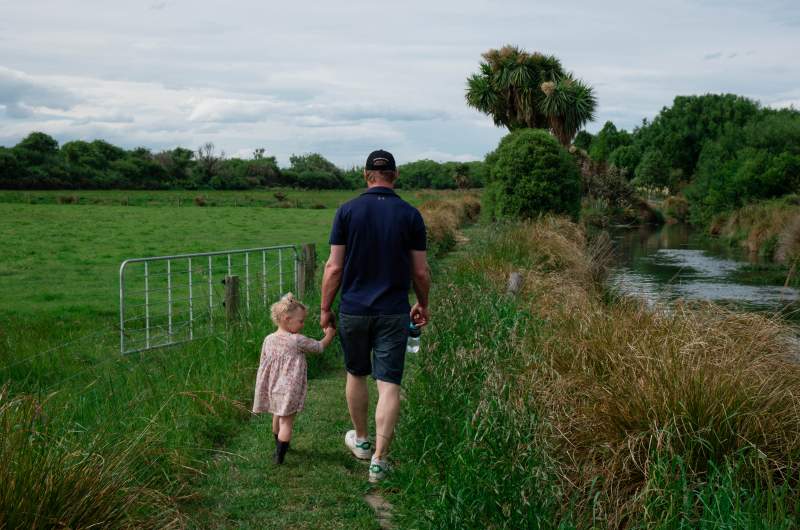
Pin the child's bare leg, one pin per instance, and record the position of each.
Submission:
(275, 424)
(286, 423)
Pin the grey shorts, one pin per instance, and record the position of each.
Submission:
(375, 344)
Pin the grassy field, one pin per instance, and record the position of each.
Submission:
(563, 407)
(91, 437)
(271, 198)
(154, 419)
(65, 258)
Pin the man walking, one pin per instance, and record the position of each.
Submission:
(377, 251)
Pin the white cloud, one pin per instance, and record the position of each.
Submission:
(22, 94)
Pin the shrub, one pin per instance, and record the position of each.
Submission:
(653, 170)
(533, 174)
(490, 201)
(768, 228)
(677, 208)
(280, 196)
(67, 199)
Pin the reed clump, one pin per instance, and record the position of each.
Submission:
(769, 228)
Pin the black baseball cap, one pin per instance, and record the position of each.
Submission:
(381, 160)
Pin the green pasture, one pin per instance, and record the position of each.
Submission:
(270, 198)
(65, 258)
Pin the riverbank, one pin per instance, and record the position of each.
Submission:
(563, 408)
(769, 229)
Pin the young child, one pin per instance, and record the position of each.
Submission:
(281, 380)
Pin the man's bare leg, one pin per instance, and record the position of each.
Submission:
(357, 400)
(386, 414)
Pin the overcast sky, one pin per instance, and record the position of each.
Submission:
(344, 78)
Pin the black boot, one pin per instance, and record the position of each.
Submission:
(280, 451)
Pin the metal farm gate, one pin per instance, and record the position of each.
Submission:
(167, 300)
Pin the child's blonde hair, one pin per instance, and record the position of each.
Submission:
(286, 305)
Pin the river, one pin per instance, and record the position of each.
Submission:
(663, 264)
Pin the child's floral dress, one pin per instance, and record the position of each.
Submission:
(281, 381)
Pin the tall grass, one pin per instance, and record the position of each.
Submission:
(114, 441)
(443, 218)
(569, 407)
(50, 479)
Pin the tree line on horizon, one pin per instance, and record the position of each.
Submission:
(718, 151)
(38, 162)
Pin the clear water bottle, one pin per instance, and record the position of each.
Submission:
(413, 338)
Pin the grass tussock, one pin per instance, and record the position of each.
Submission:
(630, 388)
(565, 407)
(443, 217)
(48, 480)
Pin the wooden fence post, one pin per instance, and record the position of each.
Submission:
(308, 267)
(231, 302)
(514, 284)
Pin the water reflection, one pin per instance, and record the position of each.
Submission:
(672, 262)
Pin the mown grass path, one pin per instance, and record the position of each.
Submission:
(319, 486)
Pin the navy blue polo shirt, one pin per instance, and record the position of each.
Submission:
(379, 231)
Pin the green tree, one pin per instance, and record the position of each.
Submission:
(40, 164)
(626, 158)
(530, 90)
(207, 163)
(419, 174)
(583, 140)
(760, 160)
(37, 148)
(177, 165)
(679, 132)
(138, 170)
(263, 171)
(314, 171)
(10, 170)
(653, 170)
(608, 139)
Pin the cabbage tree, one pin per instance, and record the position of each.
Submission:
(530, 90)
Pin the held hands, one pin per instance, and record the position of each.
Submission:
(419, 315)
(330, 332)
(327, 319)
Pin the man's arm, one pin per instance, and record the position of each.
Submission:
(331, 280)
(421, 278)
